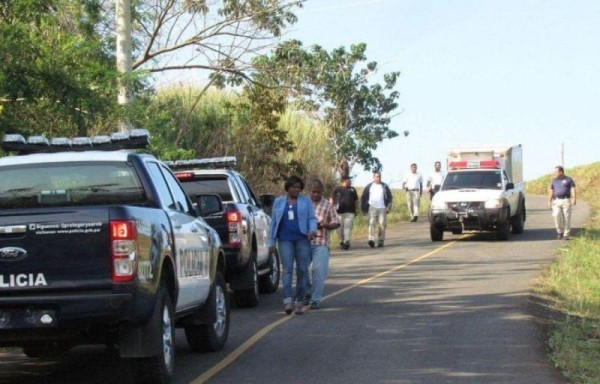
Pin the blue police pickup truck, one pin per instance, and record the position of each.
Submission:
(102, 246)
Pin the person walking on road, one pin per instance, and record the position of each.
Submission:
(293, 226)
(413, 185)
(376, 201)
(344, 198)
(562, 198)
(434, 180)
(327, 219)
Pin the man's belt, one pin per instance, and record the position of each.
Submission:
(561, 197)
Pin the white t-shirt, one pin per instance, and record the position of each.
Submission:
(376, 197)
(435, 178)
(413, 181)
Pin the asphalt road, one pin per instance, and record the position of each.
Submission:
(414, 311)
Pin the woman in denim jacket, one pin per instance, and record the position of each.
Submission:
(293, 225)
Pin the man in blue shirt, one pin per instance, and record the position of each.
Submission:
(562, 196)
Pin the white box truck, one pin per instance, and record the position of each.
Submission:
(482, 191)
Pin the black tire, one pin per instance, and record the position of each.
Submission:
(270, 281)
(159, 369)
(437, 234)
(518, 221)
(503, 231)
(212, 337)
(248, 298)
(47, 351)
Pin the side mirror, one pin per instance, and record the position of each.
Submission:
(510, 186)
(208, 205)
(267, 201)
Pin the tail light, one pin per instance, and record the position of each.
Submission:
(234, 228)
(123, 242)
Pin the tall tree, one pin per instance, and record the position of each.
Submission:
(337, 87)
(55, 75)
(218, 37)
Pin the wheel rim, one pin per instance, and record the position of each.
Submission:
(167, 337)
(220, 323)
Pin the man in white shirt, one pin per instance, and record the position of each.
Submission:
(434, 181)
(413, 185)
(376, 200)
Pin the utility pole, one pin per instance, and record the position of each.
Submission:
(562, 154)
(124, 55)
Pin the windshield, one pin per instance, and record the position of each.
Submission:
(61, 184)
(473, 179)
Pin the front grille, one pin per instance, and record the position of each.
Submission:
(464, 205)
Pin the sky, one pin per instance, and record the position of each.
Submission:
(475, 73)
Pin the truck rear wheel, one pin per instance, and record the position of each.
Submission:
(270, 281)
(248, 298)
(159, 369)
(212, 337)
(437, 234)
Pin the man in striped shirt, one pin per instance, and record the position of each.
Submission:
(327, 220)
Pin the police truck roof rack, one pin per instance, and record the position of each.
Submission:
(228, 162)
(132, 139)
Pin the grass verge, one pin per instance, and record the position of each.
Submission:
(572, 286)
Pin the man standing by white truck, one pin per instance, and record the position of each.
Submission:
(482, 191)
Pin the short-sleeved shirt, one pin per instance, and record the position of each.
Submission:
(345, 199)
(413, 181)
(325, 214)
(436, 178)
(561, 187)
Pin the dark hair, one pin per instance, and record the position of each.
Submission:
(559, 168)
(415, 164)
(344, 178)
(291, 180)
(316, 183)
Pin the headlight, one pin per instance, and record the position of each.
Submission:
(493, 203)
(437, 205)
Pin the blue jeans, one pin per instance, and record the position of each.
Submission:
(298, 252)
(320, 270)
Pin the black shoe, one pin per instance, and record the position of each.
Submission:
(380, 244)
(414, 219)
(560, 236)
(347, 245)
(342, 246)
(371, 244)
(314, 305)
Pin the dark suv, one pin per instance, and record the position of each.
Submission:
(243, 225)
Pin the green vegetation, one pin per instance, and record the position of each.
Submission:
(572, 286)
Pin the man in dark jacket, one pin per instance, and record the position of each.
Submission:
(344, 198)
(376, 201)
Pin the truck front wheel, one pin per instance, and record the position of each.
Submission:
(437, 234)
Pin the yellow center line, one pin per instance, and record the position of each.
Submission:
(264, 331)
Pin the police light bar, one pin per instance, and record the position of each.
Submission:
(205, 163)
(133, 139)
(464, 164)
